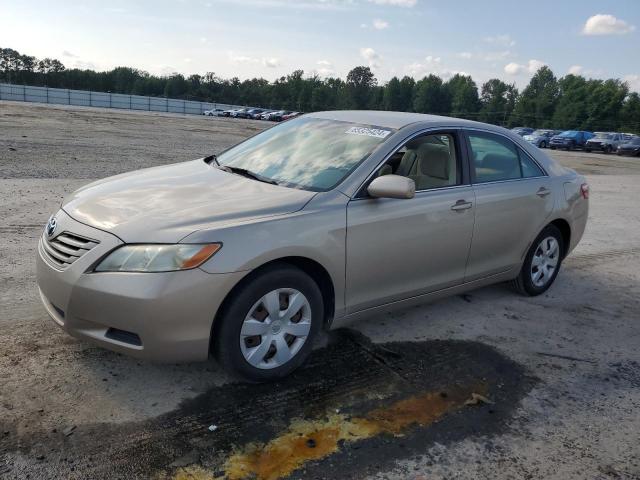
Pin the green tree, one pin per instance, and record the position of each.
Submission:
(605, 103)
(536, 105)
(464, 96)
(360, 84)
(431, 96)
(571, 108)
(630, 114)
(497, 100)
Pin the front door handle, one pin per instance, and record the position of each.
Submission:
(461, 205)
(543, 192)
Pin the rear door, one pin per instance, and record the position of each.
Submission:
(513, 200)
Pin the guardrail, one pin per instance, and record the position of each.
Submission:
(86, 98)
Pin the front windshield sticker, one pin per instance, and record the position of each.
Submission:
(369, 132)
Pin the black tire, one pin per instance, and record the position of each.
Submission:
(588, 150)
(543, 144)
(523, 283)
(226, 340)
(608, 149)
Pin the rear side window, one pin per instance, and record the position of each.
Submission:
(529, 167)
(496, 158)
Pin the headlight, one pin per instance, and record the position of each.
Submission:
(157, 258)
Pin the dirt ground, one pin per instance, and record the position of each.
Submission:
(384, 399)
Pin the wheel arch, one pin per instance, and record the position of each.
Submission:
(314, 269)
(565, 229)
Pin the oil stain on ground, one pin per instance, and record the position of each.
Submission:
(352, 410)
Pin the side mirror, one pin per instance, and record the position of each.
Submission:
(392, 186)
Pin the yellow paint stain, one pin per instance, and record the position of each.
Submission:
(309, 440)
(193, 472)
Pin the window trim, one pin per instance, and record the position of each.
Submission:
(461, 152)
(471, 165)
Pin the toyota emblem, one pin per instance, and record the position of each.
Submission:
(51, 226)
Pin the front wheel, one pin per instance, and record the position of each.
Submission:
(267, 329)
(542, 263)
(543, 144)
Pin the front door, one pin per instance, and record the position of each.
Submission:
(400, 248)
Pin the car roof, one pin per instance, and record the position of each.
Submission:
(396, 120)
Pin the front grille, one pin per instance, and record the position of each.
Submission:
(65, 248)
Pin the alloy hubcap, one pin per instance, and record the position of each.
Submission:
(545, 261)
(276, 328)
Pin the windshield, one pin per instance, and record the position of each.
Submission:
(309, 153)
(570, 133)
(603, 135)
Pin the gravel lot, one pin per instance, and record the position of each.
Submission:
(562, 369)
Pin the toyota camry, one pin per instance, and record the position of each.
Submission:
(246, 256)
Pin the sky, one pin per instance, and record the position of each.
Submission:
(271, 38)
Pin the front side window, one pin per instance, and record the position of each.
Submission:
(310, 153)
(496, 158)
(429, 160)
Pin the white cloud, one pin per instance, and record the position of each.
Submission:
(501, 40)
(514, 68)
(364, 25)
(495, 56)
(371, 56)
(465, 55)
(633, 81)
(602, 24)
(325, 72)
(187, 60)
(431, 65)
(380, 24)
(575, 69)
(396, 3)
(532, 66)
(238, 59)
(324, 63)
(67, 53)
(271, 62)
(203, 39)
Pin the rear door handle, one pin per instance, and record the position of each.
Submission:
(461, 205)
(543, 192)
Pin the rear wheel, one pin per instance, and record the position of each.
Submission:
(543, 144)
(267, 328)
(542, 263)
(608, 149)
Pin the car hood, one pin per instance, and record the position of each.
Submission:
(165, 204)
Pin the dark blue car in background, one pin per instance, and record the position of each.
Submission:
(570, 140)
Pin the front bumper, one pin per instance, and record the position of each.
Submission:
(596, 146)
(163, 317)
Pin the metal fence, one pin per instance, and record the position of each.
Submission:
(62, 96)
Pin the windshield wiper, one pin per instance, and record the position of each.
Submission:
(247, 173)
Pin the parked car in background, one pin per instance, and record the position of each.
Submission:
(630, 148)
(291, 115)
(522, 131)
(541, 138)
(607, 142)
(247, 256)
(275, 116)
(227, 113)
(214, 112)
(570, 140)
(258, 115)
(239, 113)
(253, 111)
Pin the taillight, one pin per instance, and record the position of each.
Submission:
(584, 190)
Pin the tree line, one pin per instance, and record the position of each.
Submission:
(570, 102)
